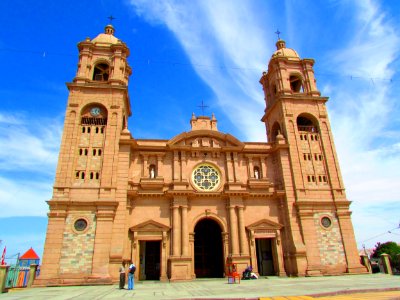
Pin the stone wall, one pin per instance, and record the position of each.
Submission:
(78, 246)
(329, 240)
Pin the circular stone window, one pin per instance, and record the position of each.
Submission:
(80, 225)
(206, 178)
(326, 222)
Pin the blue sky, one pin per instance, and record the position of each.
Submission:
(185, 52)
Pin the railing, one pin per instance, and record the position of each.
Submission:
(307, 128)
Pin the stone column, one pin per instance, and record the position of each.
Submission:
(183, 165)
(233, 230)
(263, 167)
(235, 167)
(160, 166)
(54, 240)
(242, 233)
(163, 275)
(176, 167)
(310, 240)
(349, 243)
(176, 230)
(145, 168)
(191, 240)
(251, 168)
(229, 167)
(185, 234)
(101, 254)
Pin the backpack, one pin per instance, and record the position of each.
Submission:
(132, 269)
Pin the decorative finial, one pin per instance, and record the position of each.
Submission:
(111, 18)
(278, 33)
(213, 116)
(193, 116)
(202, 107)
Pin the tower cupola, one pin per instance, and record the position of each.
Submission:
(103, 60)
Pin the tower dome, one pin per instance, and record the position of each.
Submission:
(282, 51)
(107, 37)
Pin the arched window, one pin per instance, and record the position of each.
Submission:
(257, 174)
(306, 124)
(152, 171)
(276, 129)
(295, 84)
(101, 72)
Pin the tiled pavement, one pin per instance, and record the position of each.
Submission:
(375, 286)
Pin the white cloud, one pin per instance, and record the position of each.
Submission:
(28, 157)
(29, 144)
(24, 197)
(220, 38)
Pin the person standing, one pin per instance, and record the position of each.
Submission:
(122, 276)
(131, 276)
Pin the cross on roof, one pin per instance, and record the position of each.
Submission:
(111, 18)
(278, 33)
(202, 106)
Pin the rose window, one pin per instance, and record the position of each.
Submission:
(206, 178)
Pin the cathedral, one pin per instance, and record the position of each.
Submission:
(183, 208)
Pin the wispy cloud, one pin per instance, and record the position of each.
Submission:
(28, 144)
(227, 38)
(28, 157)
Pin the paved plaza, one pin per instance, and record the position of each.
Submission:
(375, 286)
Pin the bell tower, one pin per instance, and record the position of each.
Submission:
(320, 235)
(85, 198)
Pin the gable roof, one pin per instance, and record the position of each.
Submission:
(30, 254)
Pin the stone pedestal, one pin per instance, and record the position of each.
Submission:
(3, 277)
(386, 263)
(365, 261)
(180, 268)
(32, 274)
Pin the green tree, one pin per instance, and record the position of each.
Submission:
(390, 248)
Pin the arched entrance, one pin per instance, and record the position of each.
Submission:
(208, 253)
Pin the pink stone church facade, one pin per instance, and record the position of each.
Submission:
(181, 208)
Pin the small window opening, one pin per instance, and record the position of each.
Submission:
(97, 129)
(305, 156)
(94, 152)
(80, 151)
(320, 178)
(83, 129)
(301, 137)
(88, 130)
(308, 178)
(295, 84)
(315, 156)
(309, 156)
(77, 175)
(91, 175)
(99, 152)
(313, 178)
(83, 175)
(86, 152)
(312, 137)
(97, 175)
(101, 72)
(102, 130)
(320, 157)
(316, 137)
